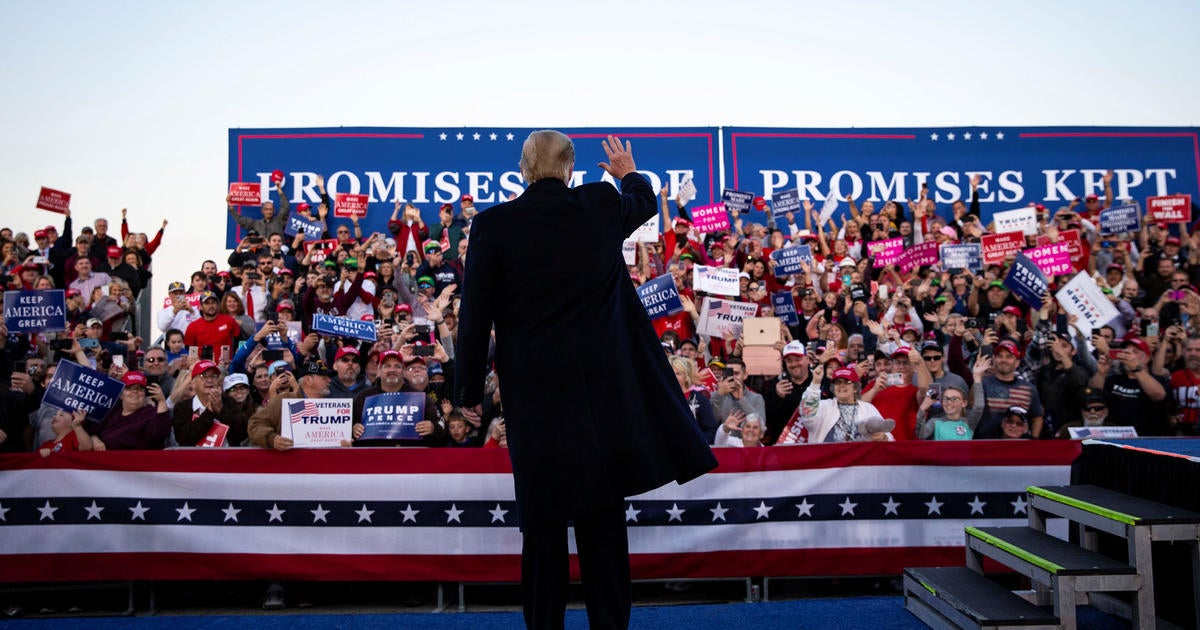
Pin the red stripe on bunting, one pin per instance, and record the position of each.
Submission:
(375, 461)
(452, 568)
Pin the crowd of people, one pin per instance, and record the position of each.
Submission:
(877, 354)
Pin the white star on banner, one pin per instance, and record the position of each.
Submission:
(1019, 505)
(847, 507)
(3, 511)
(950, 136)
(805, 508)
(983, 135)
(977, 505)
(458, 136)
(453, 514)
(319, 514)
(139, 512)
(631, 514)
(409, 514)
(47, 511)
(999, 135)
(498, 514)
(933, 136)
(493, 136)
(93, 511)
(475, 135)
(934, 506)
(364, 514)
(184, 512)
(509, 137)
(891, 507)
(231, 513)
(763, 511)
(275, 513)
(967, 136)
(441, 136)
(718, 512)
(675, 513)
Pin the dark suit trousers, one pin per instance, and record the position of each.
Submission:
(603, 546)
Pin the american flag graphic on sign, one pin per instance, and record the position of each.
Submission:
(298, 410)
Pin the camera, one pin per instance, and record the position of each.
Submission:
(972, 322)
(253, 275)
(424, 350)
(410, 259)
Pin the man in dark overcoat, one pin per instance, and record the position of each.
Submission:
(592, 409)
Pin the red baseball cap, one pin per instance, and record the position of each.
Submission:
(403, 307)
(114, 251)
(682, 221)
(285, 305)
(1009, 347)
(846, 374)
(759, 203)
(134, 378)
(1172, 240)
(390, 354)
(901, 351)
(1139, 344)
(468, 198)
(276, 176)
(1092, 197)
(39, 234)
(202, 367)
(367, 317)
(1011, 310)
(51, 228)
(345, 350)
(302, 207)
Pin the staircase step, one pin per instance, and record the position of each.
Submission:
(984, 602)
(1116, 506)
(1051, 554)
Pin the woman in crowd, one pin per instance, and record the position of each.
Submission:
(843, 418)
(742, 430)
(232, 306)
(139, 422)
(687, 376)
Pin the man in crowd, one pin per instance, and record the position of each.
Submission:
(101, 241)
(732, 393)
(271, 221)
(401, 373)
(1004, 389)
(86, 280)
(782, 394)
(213, 330)
(179, 314)
(311, 381)
(1133, 392)
(893, 393)
(435, 266)
(1185, 385)
(348, 372)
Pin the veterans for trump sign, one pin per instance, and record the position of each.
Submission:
(35, 311)
(718, 317)
(1169, 209)
(316, 423)
(660, 297)
(716, 280)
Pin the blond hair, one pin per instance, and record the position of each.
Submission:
(547, 154)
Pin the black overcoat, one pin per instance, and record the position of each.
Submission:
(592, 408)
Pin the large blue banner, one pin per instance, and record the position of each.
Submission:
(1017, 165)
(432, 166)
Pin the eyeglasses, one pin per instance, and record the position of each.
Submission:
(156, 359)
(951, 399)
(416, 368)
(1095, 408)
(209, 375)
(933, 358)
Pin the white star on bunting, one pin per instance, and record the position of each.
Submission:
(275, 513)
(409, 514)
(977, 505)
(891, 507)
(950, 136)
(93, 511)
(934, 506)
(47, 511)
(718, 512)
(631, 514)
(675, 513)
(933, 136)
(458, 136)
(184, 512)
(231, 513)
(498, 514)
(139, 512)
(453, 514)
(805, 508)
(847, 507)
(319, 514)
(967, 136)
(1020, 505)
(509, 137)
(983, 135)
(762, 511)
(999, 135)
(475, 135)
(441, 136)
(3, 511)
(364, 514)
(492, 136)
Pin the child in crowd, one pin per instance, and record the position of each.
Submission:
(69, 434)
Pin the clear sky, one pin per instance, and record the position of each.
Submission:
(128, 104)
